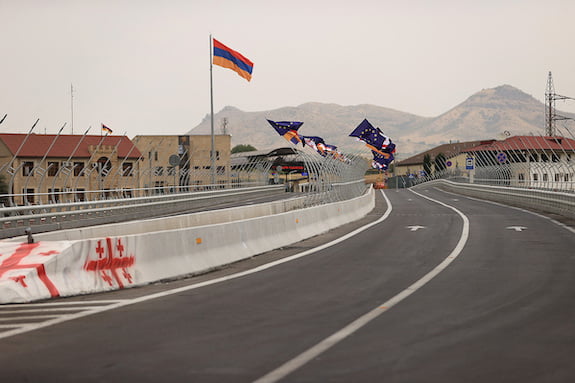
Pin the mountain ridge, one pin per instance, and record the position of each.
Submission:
(486, 114)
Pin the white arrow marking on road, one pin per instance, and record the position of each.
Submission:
(415, 227)
(516, 228)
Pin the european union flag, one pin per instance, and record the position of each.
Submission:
(381, 161)
(287, 129)
(313, 139)
(370, 135)
(373, 138)
(315, 142)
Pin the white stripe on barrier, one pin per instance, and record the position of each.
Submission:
(42, 270)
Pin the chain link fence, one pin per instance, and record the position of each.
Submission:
(537, 172)
(314, 180)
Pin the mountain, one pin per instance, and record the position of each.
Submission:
(485, 115)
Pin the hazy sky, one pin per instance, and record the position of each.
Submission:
(142, 66)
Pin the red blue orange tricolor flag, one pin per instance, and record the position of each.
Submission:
(228, 58)
(106, 129)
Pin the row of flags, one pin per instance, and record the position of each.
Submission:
(289, 131)
(381, 146)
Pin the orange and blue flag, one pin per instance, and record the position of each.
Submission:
(106, 129)
(287, 129)
(315, 142)
(380, 161)
(228, 58)
(373, 138)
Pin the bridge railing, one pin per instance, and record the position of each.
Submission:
(546, 201)
(327, 179)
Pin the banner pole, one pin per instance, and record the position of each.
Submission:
(212, 152)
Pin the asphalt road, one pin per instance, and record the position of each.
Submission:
(444, 290)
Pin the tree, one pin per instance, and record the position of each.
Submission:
(440, 162)
(243, 148)
(427, 164)
(3, 189)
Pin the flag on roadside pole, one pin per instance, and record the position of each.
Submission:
(288, 130)
(381, 146)
(106, 129)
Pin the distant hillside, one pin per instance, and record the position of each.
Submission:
(484, 115)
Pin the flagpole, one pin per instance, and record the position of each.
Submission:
(212, 152)
(72, 106)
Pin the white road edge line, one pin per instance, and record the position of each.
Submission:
(348, 330)
(127, 302)
(561, 224)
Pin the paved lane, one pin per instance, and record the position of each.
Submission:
(502, 311)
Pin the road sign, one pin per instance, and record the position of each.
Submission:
(501, 157)
(449, 163)
(174, 160)
(469, 163)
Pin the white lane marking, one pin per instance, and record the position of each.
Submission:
(73, 303)
(516, 228)
(46, 310)
(41, 313)
(572, 230)
(28, 317)
(127, 302)
(348, 330)
(415, 227)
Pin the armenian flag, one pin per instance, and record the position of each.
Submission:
(228, 58)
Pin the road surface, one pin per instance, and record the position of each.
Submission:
(429, 287)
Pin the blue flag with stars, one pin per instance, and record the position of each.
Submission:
(288, 130)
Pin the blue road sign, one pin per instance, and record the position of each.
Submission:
(501, 157)
(469, 163)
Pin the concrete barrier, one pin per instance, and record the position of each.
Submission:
(66, 267)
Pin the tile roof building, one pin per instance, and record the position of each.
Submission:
(528, 161)
(44, 168)
(454, 153)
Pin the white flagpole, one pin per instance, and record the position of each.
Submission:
(212, 152)
(72, 106)
(10, 164)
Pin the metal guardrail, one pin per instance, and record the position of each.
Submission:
(561, 203)
(326, 180)
(43, 218)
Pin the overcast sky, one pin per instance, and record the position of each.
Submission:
(142, 66)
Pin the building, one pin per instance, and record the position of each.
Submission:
(280, 165)
(45, 168)
(454, 155)
(171, 161)
(527, 161)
